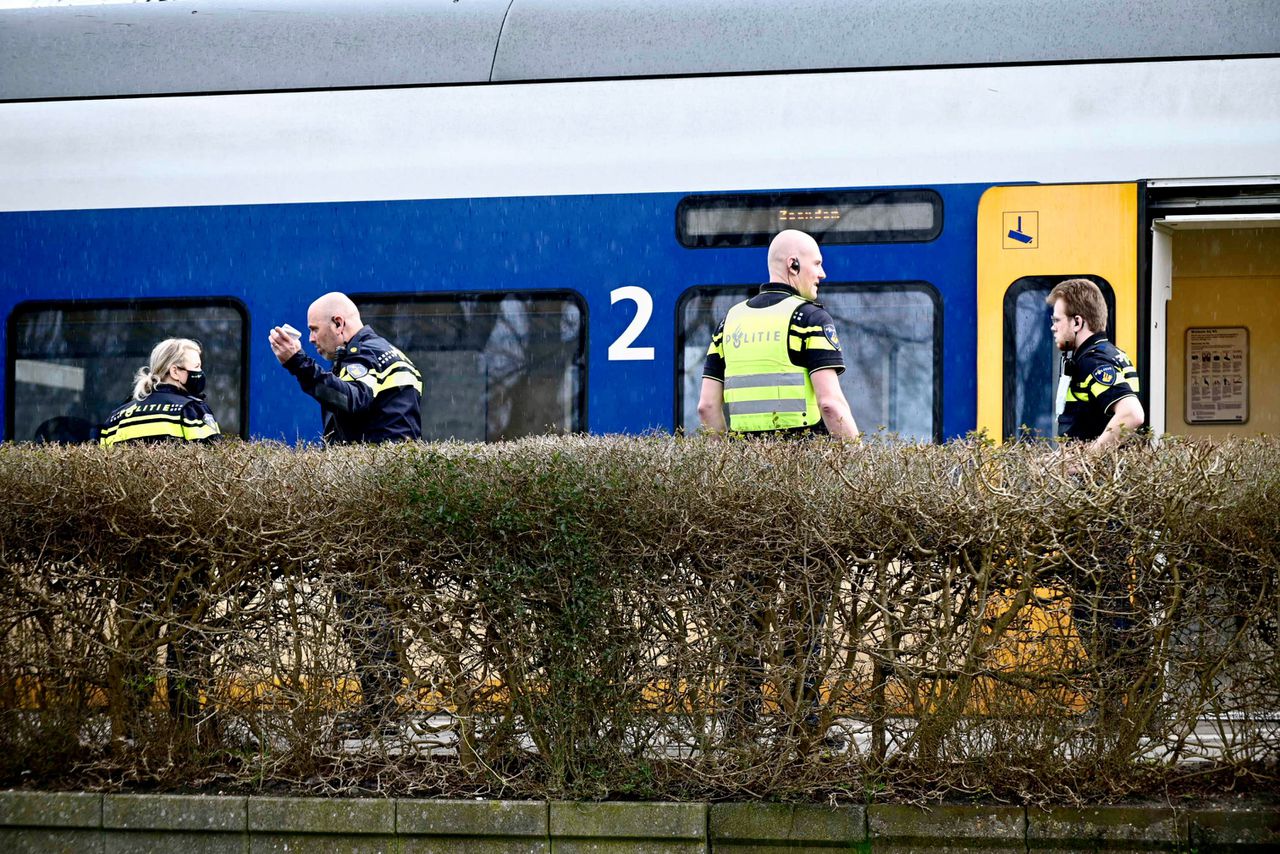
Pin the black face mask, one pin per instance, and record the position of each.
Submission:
(195, 383)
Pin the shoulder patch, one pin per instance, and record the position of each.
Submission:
(1105, 374)
(829, 330)
(355, 370)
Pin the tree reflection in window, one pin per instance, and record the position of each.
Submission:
(494, 366)
(890, 337)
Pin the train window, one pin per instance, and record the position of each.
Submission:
(1031, 362)
(71, 363)
(855, 216)
(891, 335)
(494, 365)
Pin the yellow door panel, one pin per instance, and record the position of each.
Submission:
(1050, 230)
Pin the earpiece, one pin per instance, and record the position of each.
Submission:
(795, 265)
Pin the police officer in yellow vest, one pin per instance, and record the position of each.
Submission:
(775, 359)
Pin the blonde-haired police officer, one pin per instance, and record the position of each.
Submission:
(168, 400)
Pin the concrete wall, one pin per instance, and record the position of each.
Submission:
(81, 822)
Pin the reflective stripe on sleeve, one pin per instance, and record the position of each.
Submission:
(367, 379)
(194, 431)
(397, 375)
(819, 342)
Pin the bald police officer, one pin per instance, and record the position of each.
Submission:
(373, 394)
(775, 359)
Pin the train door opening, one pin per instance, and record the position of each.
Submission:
(1030, 238)
(1214, 319)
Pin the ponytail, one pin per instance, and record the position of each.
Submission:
(144, 382)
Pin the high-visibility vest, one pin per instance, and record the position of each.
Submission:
(762, 388)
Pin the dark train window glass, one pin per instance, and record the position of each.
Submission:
(891, 337)
(70, 364)
(856, 216)
(1032, 364)
(494, 366)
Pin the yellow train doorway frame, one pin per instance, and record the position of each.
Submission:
(1050, 230)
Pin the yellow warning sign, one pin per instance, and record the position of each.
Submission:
(1021, 230)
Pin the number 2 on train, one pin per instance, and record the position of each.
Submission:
(621, 349)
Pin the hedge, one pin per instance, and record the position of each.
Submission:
(648, 617)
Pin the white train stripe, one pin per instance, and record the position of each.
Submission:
(1044, 123)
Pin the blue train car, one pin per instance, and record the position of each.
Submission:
(524, 314)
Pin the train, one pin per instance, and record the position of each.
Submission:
(549, 204)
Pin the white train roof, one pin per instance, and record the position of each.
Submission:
(225, 46)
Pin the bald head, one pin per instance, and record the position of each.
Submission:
(335, 304)
(333, 320)
(794, 258)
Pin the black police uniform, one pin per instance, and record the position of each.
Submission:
(373, 394)
(1099, 375)
(168, 414)
(812, 344)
